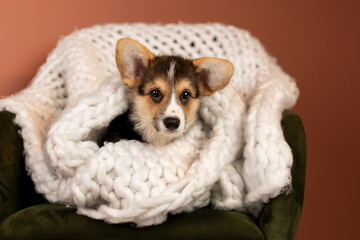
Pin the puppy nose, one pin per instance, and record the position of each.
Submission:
(171, 123)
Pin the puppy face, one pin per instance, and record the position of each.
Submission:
(168, 96)
(167, 89)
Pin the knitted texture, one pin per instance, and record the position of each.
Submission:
(78, 91)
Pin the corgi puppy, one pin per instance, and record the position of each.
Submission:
(165, 92)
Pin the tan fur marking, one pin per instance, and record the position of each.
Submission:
(148, 106)
(192, 106)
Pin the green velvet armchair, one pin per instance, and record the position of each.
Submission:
(26, 215)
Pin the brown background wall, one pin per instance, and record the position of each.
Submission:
(317, 42)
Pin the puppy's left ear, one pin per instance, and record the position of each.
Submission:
(214, 74)
(132, 60)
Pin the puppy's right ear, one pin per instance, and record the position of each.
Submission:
(132, 59)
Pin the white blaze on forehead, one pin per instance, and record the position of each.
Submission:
(173, 108)
(171, 72)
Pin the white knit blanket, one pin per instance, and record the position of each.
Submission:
(235, 156)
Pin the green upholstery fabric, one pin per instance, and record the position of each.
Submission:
(279, 219)
(58, 222)
(16, 187)
(10, 167)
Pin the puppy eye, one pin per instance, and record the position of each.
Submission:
(185, 97)
(155, 95)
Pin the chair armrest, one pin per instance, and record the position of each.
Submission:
(280, 217)
(11, 164)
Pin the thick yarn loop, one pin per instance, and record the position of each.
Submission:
(78, 91)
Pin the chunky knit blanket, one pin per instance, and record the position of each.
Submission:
(235, 156)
